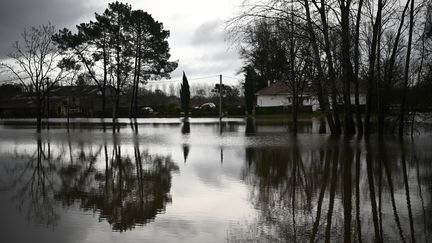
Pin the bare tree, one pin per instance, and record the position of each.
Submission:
(347, 68)
(407, 67)
(34, 63)
(342, 35)
(322, 89)
(389, 72)
(357, 67)
(322, 9)
(276, 42)
(372, 62)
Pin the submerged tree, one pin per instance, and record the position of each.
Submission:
(349, 42)
(122, 48)
(34, 64)
(249, 89)
(90, 47)
(151, 52)
(276, 52)
(407, 68)
(185, 95)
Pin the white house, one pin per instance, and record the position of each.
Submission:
(279, 94)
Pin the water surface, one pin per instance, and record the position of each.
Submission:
(204, 181)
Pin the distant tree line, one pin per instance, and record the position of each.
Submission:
(339, 49)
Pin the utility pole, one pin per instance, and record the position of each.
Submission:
(220, 97)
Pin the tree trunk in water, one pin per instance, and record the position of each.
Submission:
(115, 110)
(332, 73)
(419, 76)
(103, 102)
(293, 75)
(132, 101)
(137, 83)
(104, 85)
(294, 114)
(389, 72)
(118, 74)
(356, 70)
(322, 88)
(39, 114)
(47, 105)
(358, 109)
(407, 65)
(136, 99)
(134, 83)
(347, 71)
(116, 102)
(68, 107)
(38, 108)
(372, 60)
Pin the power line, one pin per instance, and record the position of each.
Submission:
(191, 79)
(213, 76)
(230, 77)
(180, 80)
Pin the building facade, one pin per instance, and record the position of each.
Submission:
(278, 94)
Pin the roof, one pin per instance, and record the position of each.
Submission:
(281, 88)
(276, 88)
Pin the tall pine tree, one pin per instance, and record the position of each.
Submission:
(185, 95)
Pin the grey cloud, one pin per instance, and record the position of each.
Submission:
(218, 60)
(222, 55)
(205, 69)
(15, 15)
(210, 32)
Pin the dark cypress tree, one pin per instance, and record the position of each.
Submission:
(249, 89)
(185, 95)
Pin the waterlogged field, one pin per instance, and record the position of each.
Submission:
(165, 180)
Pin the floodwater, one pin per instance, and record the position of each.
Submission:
(205, 181)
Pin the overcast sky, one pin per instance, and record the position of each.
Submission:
(196, 26)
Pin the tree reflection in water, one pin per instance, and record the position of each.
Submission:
(33, 184)
(185, 130)
(330, 193)
(126, 190)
